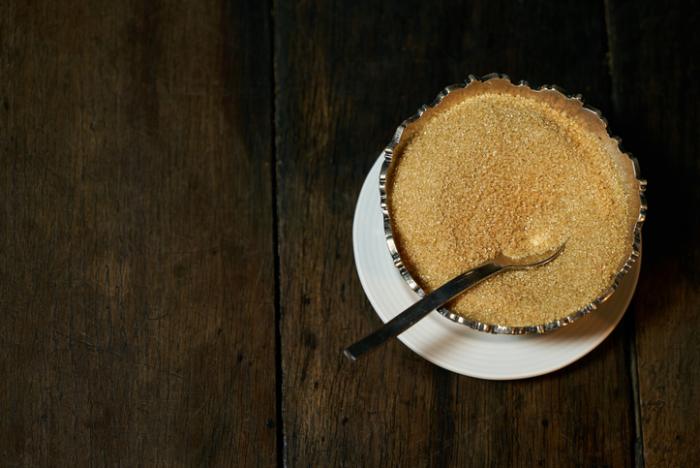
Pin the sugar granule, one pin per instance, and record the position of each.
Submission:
(504, 173)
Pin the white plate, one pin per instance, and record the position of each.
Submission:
(459, 348)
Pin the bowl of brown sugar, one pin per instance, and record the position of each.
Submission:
(494, 167)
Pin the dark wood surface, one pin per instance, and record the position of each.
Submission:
(136, 247)
(177, 183)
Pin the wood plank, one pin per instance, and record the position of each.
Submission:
(136, 250)
(347, 74)
(656, 93)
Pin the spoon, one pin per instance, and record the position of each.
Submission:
(444, 294)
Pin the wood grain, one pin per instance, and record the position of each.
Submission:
(137, 234)
(136, 250)
(347, 74)
(655, 69)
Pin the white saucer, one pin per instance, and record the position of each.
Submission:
(457, 347)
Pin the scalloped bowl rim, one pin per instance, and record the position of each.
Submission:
(387, 155)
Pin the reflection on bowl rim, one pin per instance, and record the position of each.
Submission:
(387, 156)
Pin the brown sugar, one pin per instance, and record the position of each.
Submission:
(497, 172)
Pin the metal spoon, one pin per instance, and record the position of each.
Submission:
(444, 294)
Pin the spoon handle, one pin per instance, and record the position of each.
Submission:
(423, 307)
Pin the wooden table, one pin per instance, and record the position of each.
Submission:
(177, 184)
